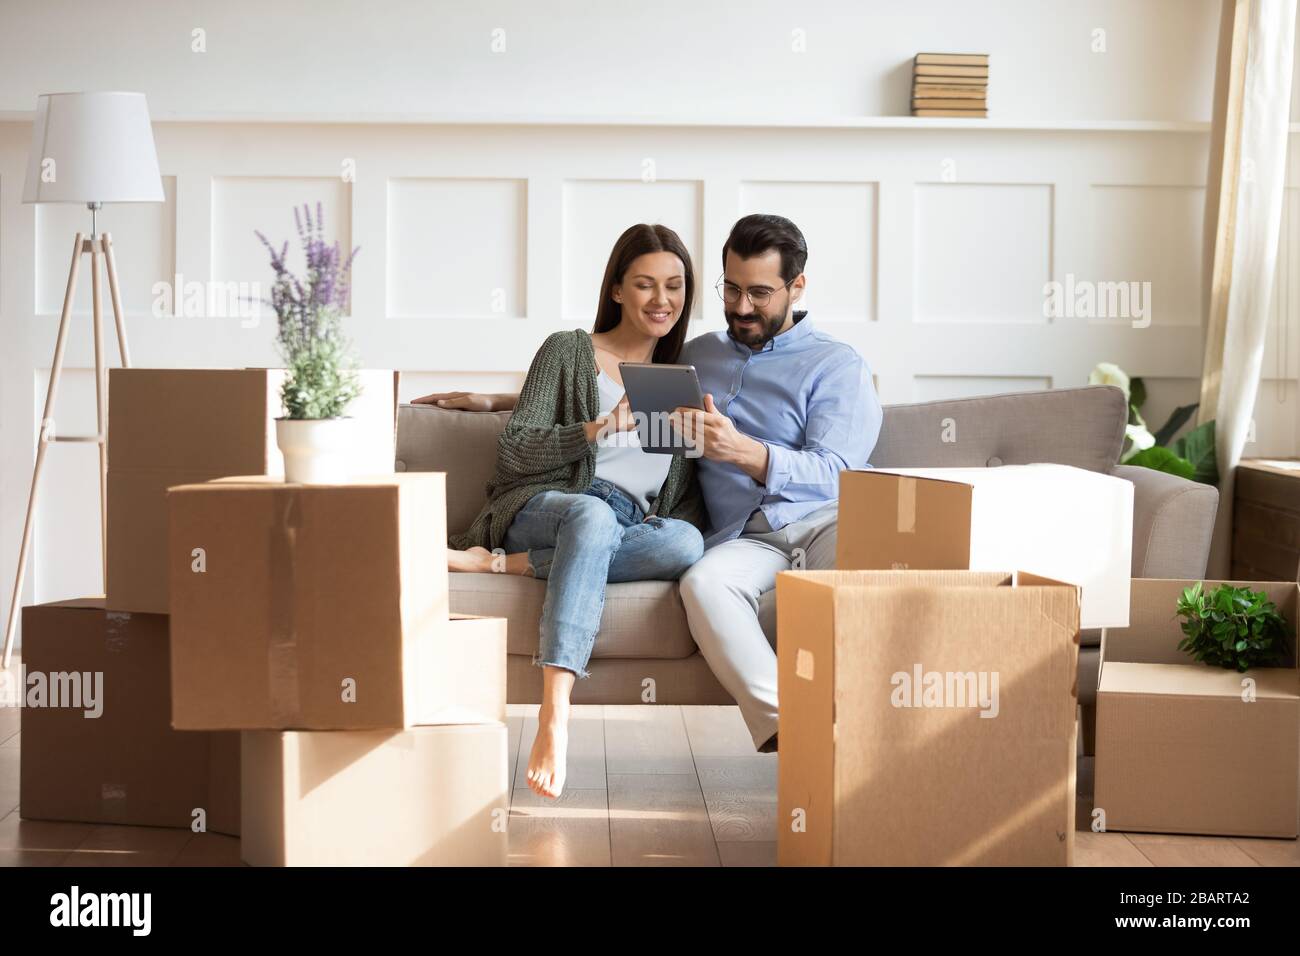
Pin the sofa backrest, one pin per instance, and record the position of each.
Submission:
(1083, 427)
(463, 444)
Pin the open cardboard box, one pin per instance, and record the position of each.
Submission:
(1186, 748)
(1065, 523)
(927, 718)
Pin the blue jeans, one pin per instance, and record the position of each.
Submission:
(578, 543)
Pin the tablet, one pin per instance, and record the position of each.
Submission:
(653, 391)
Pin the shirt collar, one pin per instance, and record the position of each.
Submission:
(801, 329)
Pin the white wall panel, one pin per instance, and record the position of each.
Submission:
(983, 251)
(456, 248)
(929, 388)
(1150, 234)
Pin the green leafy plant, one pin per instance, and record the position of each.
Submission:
(322, 379)
(1192, 456)
(1231, 627)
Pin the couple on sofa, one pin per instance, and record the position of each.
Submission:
(575, 501)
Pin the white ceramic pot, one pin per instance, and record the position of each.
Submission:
(317, 451)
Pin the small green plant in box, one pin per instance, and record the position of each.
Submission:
(1232, 627)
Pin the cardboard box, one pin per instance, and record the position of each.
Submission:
(428, 796)
(1065, 523)
(126, 765)
(1180, 746)
(927, 718)
(179, 426)
(323, 607)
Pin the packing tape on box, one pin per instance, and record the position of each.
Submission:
(906, 505)
(282, 652)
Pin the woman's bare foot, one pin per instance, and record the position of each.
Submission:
(475, 559)
(546, 762)
(481, 560)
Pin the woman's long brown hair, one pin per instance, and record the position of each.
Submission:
(637, 241)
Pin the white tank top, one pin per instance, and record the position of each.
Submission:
(619, 458)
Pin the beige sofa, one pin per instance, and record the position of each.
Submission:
(644, 651)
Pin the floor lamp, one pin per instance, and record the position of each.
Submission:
(87, 148)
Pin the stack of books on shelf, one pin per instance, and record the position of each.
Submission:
(951, 84)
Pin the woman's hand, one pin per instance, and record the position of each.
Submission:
(620, 419)
(468, 401)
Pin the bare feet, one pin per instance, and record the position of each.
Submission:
(481, 560)
(546, 762)
(475, 559)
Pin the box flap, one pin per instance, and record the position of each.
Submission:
(1197, 680)
(914, 523)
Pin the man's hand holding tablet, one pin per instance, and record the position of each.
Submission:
(718, 439)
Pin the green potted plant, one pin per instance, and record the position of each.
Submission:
(314, 435)
(1232, 627)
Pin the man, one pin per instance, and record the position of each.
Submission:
(787, 408)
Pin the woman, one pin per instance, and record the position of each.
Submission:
(575, 500)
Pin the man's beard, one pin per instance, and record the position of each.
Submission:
(754, 334)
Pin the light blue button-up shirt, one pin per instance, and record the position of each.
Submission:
(809, 398)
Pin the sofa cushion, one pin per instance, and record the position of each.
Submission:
(641, 618)
(462, 444)
(1083, 427)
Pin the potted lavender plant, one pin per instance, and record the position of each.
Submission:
(321, 381)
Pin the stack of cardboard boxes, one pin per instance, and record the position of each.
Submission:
(314, 618)
(119, 760)
(928, 685)
(282, 596)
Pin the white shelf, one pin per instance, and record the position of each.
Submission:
(726, 122)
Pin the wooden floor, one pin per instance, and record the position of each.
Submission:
(648, 786)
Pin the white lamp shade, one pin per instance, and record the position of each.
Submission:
(92, 148)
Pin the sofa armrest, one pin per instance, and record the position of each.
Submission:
(1173, 521)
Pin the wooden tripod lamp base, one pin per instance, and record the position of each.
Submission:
(98, 248)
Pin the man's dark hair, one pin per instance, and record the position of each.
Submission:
(754, 235)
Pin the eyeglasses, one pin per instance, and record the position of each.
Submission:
(758, 298)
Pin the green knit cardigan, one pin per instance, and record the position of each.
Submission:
(544, 446)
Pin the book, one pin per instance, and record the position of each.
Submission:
(939, 104)
(950, 81)
(961, 114)
(978, 71)
(952, 92)
(952, 59)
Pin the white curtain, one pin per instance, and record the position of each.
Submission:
(1244, 197)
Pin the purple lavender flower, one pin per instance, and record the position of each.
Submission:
(308, 311)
